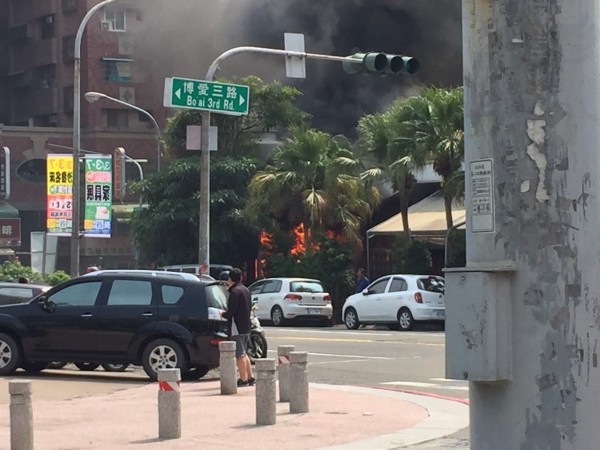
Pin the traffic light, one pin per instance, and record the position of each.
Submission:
(380, 63)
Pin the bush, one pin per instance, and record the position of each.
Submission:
(411, 257)
(13, 270)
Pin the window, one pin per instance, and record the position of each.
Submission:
(144, 117)
(130, 293)
(398, 285)
(256, 287)
(431, 284)
(116, 19)
(117, 70)
(378, 287)
(306, 286)
(43, 76)
(9, 295)
(81, 294)
(216, 296)
(48, 27)
(271, 287)
(171, 294)
(117, 118)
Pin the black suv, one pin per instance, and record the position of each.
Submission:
(157, 319)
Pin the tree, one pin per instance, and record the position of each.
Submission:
(166, 232)
(313, 179)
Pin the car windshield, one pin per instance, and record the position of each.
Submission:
(431, 284)
(216, 296)
(306, 286)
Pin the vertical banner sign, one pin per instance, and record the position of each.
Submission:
(98, 196)
(5, 173)
(59, 194)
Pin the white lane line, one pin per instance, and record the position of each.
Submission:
(337, 362)
(448, 380)
(426, 385)
(334, 355)
(352, 333)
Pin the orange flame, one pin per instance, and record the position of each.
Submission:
(298, 235)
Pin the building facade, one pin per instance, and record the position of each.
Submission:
(37, 39)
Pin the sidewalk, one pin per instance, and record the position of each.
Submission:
(340, 418)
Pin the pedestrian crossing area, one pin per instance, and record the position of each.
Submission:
(434, 383)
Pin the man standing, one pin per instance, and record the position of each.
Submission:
(238, 315)
(361, 280)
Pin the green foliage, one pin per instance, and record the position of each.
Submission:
(13, 270)
(457, 248)
(332, 263)
(411, 256)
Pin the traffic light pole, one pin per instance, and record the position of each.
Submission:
(204, 215)
(531, 116)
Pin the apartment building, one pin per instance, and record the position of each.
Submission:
(37, 40)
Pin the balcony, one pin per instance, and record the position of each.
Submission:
(35, 102)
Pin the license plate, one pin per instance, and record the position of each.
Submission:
(440, 313)
(313, 311)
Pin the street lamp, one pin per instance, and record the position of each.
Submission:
(75, 218)
(95, 96)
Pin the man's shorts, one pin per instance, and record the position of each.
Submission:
(242, 344)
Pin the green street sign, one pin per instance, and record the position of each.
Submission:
(223, 98)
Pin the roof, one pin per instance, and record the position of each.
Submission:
(425, 217)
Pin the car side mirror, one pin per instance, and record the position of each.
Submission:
(47, 305)
(366, 292)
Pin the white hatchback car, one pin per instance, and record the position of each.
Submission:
(397, 299)
(280, 299)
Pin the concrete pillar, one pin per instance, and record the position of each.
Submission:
(298, 382)
(532, 109)
(169, 404)
(21, 415)
(227, 368)
(266, 392)
(283, 371)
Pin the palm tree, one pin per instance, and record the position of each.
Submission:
(441, 134)
(314, 179)
(391, 139)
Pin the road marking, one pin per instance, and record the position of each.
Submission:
(338, 362)
(351, 333)
(334, 355)
(359, 341)
(426, 385)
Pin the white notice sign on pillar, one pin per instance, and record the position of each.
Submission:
(482, 196)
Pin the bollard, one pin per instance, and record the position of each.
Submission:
(169, 404)
(298, 382)
(266, 392)
(283, 371)
(21, 415)
(227, 368)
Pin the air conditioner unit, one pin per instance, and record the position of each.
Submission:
(106, 25)
(49, 19)
(52, 118)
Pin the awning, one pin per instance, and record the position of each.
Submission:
(8, 211)
(125, 210)
(427, 217)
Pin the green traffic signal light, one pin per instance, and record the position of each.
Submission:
(380, 63)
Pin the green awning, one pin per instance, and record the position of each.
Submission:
(8, 211)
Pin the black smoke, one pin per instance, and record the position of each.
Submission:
(182, 38)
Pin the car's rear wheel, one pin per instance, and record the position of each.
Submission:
(406, 322)
(10, 354)
(351, 319)
(195, 373)
(258, 346)
(163, 354)
(115, 367)
(87, 367)
(277, 316)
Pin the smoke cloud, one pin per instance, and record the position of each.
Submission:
(182, 38)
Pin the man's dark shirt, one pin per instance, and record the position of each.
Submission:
(238, 307)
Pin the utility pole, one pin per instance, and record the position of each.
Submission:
(523, 317)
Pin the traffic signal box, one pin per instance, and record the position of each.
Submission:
(381, 63)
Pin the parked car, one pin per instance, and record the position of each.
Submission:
(155, 319)
(398, 300)
(214, 270)
(282, 299)
(11, 293)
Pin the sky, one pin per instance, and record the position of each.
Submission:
(187, 35)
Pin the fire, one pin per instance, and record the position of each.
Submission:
(298, 235)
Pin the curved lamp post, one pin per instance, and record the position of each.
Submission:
(75, 218)
(95, 96)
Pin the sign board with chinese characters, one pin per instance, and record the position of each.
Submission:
(482, 196)
(223, 98)
(10, 232)
(59, 194)
(5, 173)
(98, 196)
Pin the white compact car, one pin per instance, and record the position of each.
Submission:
(397, 299)
(281, 299)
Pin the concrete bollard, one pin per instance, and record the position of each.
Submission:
(298, 382)
(283, 371)
(266, 392)
(169, 404)
(21, 415)
(227, 368)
